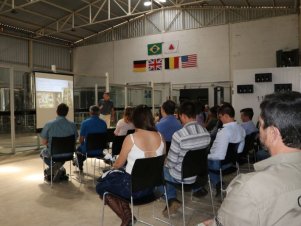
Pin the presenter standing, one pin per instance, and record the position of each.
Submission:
(106, 108)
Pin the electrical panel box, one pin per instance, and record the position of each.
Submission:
(245, 89)
(282, 88)
(263, 77)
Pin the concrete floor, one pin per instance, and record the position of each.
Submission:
(27, 200)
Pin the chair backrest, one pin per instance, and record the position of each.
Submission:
(117, 144)
(130, 131)
(168, 143)
(195, 162)
(231, 155)
(147, 173)
(96, 141)
(62, 145)
(249, 142)
(111, 135)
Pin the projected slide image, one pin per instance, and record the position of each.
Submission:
(51, 92)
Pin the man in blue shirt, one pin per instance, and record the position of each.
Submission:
(246, 116)
(91, 125)
(168, 124)
(60, 127)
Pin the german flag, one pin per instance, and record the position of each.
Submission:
(139, 66)
(172, 62)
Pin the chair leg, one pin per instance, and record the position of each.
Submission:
(103, 207)
(210, 190)
(237, 167)
(221, 181)
(249, 162)
(183, 204)
(51, 177)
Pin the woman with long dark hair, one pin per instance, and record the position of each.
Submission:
(146, 142)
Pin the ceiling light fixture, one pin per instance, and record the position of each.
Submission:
(162, 1)
(147, 3)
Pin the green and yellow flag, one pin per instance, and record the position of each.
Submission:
(154, 49)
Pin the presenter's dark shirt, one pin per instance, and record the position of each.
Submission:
(106, 107)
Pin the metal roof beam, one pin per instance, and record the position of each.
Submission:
(19, 6)
(3, 4)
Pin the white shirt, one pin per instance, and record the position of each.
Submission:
(137, 153)
(122, 127)
(230, 133)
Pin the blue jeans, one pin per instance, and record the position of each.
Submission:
(215, 165)
(119, 183)
(171, 190)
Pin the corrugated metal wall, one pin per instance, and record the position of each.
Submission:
(180, 19)
(13, 50)
(46, 55)
(16, 51)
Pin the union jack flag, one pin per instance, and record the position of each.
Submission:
(155, 64)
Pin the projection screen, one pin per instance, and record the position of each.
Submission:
(51, 90)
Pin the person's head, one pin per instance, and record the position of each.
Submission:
(213, 111)
(207, 108)
(143, 118)
(62, 109)
(226, 113)
(187, 112)
(106, 96)
(246, 114)
(168, 108)
(127, 115)
(280, 122)
(94, 110)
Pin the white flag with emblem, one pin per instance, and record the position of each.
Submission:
(171, 47)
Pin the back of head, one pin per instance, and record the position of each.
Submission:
(62, 109)
(143, 118)
(94, 110)
(283, 111)
(248, 112)
(169, 107)
(188, 108)
(128, 113)
(228, 109)
(213, 110)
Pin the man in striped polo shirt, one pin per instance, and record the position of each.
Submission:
(191, 137)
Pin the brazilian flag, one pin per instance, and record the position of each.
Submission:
(154, 49)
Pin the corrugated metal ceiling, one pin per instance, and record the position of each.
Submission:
(67, 21)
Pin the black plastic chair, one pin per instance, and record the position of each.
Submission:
(195, 163)
(146, 173)
(248, 148)
(117, 144)
(167, 147)
(62, 150)
(95, 141)
(130, 131)
(231, 157)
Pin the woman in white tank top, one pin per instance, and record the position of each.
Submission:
(146, 142)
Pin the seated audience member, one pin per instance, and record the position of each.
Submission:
(246, 116)
(60, 127)
(146, 142)
(168, 124)
(212, 118)
(125, 124)
(201, 115)
(272, 194)
(91, 125)
(231, 132)
(191, 137)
